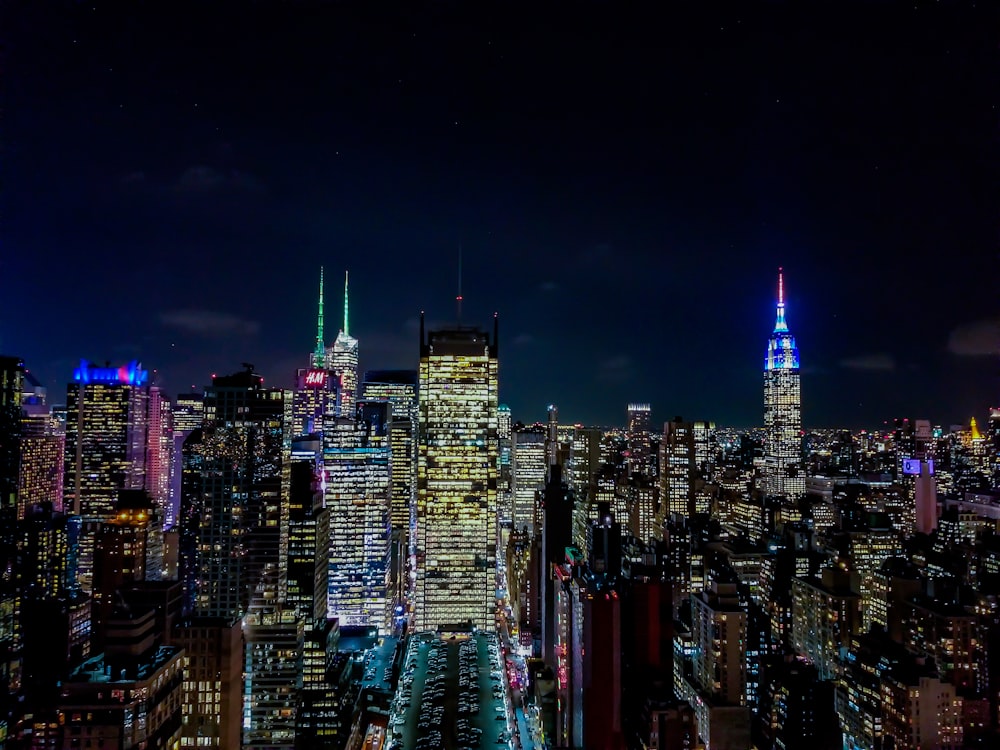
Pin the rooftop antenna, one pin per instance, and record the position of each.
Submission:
(458, 299)
(346, 330)
(319, 354)
(779, 323)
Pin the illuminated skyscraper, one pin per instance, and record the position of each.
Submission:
(106, 428)
(399, 388)
(782, 473)
(43, 449)
(107, 420)
(528, 467)
(639, 439)
(159, 453)
(319, 351)
(316, 387)
(242, 528)
(129, 548)
(505, 497)
(357, 465)
(342, 358)
(677, 470)
(457, 478)
(187, 413)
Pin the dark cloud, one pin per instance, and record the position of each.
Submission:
(209, 323)
(880, 362)
(979, 338)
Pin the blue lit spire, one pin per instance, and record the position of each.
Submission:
(782, 353)
(779, 323)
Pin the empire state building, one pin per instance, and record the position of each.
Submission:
(782, 474)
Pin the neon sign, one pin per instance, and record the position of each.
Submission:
(315, 378)
(130, 374)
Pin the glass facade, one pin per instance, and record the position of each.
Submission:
(457, 480)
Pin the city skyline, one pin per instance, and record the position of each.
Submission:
(622, 196)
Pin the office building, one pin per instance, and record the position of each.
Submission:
(677, 469)
(342, 360)
(782, 474)
(128, 548)
(241, 525)
(399, 388)
(639, 440)
(528, 468)
(107, 426)
(457, 479)
(11, 388)
(826, 615)
(128, 696)
(43, 448)
(187, 413)
(159, 453)
(357, 461)
(505, 440)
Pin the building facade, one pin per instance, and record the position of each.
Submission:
(782, 474)
(457, 479)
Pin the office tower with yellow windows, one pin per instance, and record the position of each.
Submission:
(528, 470)
(457, 479)
(783, 474)
(107, 421)
(399, 388)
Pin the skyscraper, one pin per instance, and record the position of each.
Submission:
(159, 453)
(107, 427)
(106, 430)
(11, 386)
(457, 478)
(639, 439)
(358, 488)
(43, 455)
(528, 470)
(241, 522)
(319, 351)
(399, 388)
(782, 473)
(342, 358)
(677, 469)
(317, 388)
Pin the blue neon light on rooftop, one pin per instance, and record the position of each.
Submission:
(130, 374)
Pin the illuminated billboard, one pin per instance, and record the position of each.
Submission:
(315, 378)
(912, 466)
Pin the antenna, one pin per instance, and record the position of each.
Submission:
(781, 286)
(320, 352)
(458, 299)
(346, 330)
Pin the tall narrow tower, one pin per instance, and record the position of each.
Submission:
(457, 479)
(319, 353)
(342, 358)
(783, 475)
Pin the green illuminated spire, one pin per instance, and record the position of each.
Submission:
(319, 355)
(347, 331)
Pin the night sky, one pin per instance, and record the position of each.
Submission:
(623, 186)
